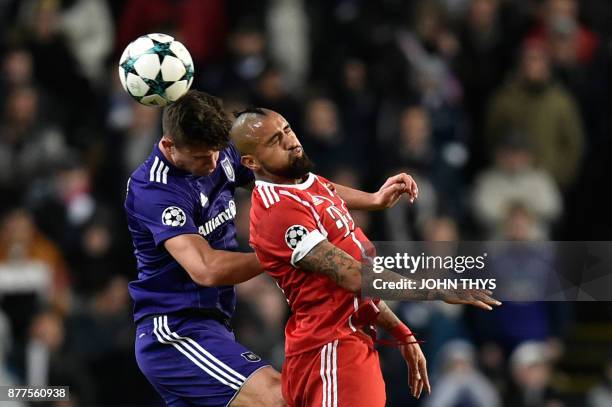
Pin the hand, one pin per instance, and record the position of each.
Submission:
(392, 190)
(417, 369)
(478, 298)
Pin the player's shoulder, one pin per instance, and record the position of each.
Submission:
(267, 195)
(231, 153)
(156, 178)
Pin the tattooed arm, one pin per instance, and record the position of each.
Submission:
(344, 270)
(335, 263)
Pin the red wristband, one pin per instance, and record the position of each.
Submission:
(401, 332)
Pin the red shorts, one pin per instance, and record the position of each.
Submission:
(345, 372)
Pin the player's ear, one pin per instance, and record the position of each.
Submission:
(250, 162)
(166, 142)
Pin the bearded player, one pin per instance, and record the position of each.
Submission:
(306, 239)
(180, 210)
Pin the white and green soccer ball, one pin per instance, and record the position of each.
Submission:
(155, 69)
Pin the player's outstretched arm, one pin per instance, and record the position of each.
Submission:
(386, 197)
(335, 263)
(209, 267)
(344, 270)
(411, 351)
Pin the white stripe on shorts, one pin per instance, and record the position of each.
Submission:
(322, 373)
(160, 324)
(329, 374)
(204, 351)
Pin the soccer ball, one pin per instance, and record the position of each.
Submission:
(155, 69)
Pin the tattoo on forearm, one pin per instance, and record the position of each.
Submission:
(344, 270)
(331, 261)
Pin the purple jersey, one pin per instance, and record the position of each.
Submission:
(162, 202)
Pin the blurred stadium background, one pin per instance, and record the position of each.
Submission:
(499, 108)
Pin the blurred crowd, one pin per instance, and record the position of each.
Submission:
(500, 109)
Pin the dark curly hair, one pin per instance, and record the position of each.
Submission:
(197, 119)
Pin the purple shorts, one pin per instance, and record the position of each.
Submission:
(193, 361)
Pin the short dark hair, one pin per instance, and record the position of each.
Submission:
(197, 119)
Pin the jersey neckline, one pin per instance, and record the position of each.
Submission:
(304, 185)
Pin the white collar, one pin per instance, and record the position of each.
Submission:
(304, 185)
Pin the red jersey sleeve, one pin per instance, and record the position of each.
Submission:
(283, 228)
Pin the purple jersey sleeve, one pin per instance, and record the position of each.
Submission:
(165, 212)
(244, 175)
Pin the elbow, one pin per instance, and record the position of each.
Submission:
(205, 276)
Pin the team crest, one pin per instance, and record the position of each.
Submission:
(250, 356)
(228, 169)
(173, 216)
(294, 235)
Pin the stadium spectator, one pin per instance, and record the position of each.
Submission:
(513, 180)
(49, 364)
(425, 43)
(325, 138)
(243, 63)
(272, 89)
(460, 382)
(98, 257)
(534, 104)
(531, 370)
(356, 99)
(578, 61)
(483, 60)
(441, 162)
(16, 69)
(287, 30)
(22, 245)
(201, 25)
(601, 394)
(105, 314)
(53, 59)
(559, 17)
(143, 131)
(405, 221)
(6, 376)
(525, 274)
(30, 146)
(88, 28)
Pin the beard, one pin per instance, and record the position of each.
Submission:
(298, 168)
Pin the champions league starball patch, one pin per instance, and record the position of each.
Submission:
(294, 235)
(173, 216)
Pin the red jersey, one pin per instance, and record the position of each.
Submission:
(287, 221)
